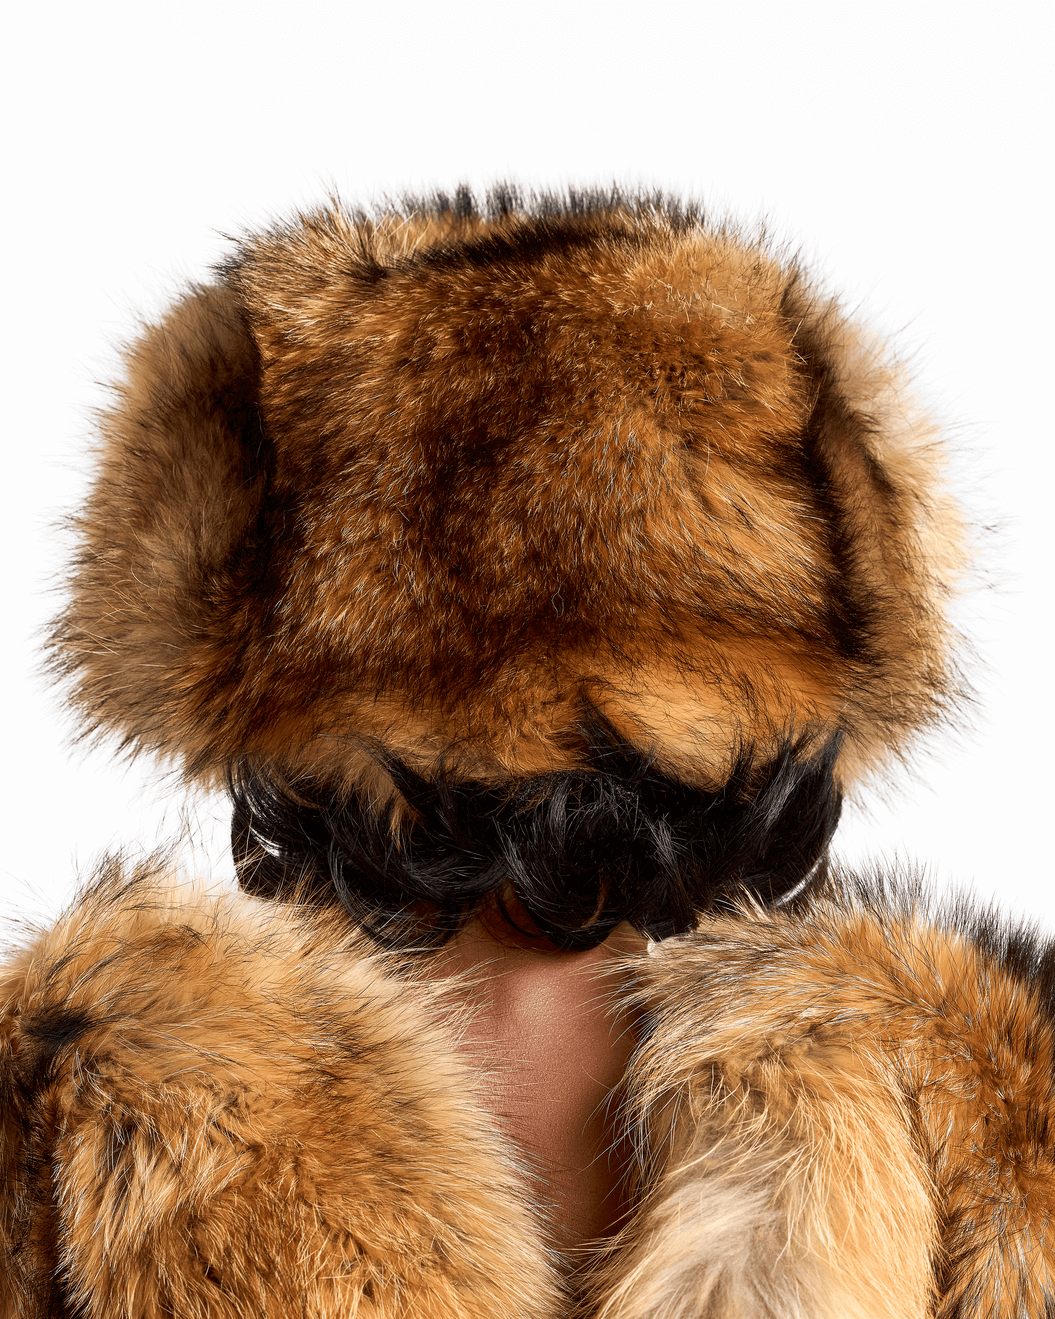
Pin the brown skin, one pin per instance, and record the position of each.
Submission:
(544, 1033)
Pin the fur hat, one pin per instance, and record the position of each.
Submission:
(438, 480)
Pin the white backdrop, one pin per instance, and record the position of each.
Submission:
(904, 147)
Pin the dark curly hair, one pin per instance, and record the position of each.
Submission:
(581, 850)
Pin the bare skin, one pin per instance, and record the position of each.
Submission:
(542, 1033)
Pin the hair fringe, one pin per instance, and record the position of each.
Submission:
(582, 850)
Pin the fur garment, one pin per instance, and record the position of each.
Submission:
(215, 1107)
(584, 553)
(438, 480)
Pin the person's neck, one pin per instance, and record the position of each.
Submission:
(542, 1032)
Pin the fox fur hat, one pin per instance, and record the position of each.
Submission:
(438, 479)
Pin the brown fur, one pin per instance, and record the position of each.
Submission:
(440, 483)
(848, 1113)
(437, 481)
(212, 1108)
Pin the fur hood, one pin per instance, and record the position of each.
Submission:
(438, 479)
(215, 1106)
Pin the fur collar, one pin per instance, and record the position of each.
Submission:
(217, 1106)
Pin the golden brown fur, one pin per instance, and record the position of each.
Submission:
(212, 1107)
(436, 480)
(430, 485)
(860, 1126)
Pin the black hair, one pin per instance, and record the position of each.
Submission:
(582, 849)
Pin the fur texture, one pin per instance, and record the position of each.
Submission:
(212, 1109)
(862, 1128)
(440, 479)
(400, 508)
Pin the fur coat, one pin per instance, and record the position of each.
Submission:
(219, 1107)
(391, 518)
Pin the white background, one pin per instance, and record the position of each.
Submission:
(905, 148)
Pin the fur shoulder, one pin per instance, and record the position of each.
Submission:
(848, 1111)
(211, 1107)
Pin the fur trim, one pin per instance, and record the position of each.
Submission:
(862, 1128)
(209, 1107)
(439, 481)
(244, 1115)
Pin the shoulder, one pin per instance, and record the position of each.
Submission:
(872, 1078)
(877, 959)
(204, 1095)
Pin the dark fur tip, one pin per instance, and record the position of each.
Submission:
(584, 850)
